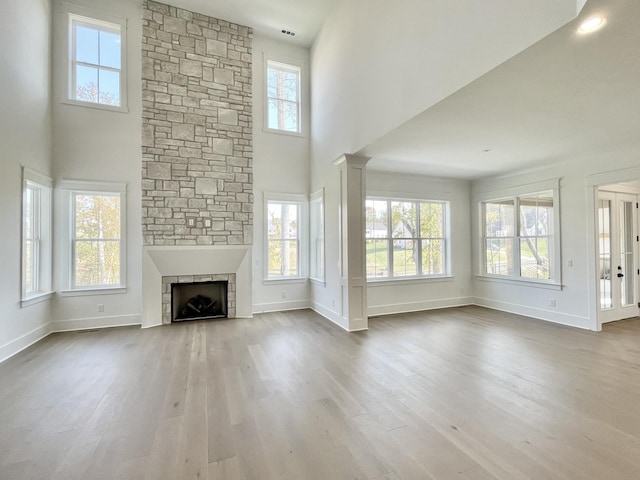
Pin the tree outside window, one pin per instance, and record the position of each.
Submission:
(405, 238)
(518, 236)
(283, 97)
(96, 61)
(283, 240)
(96, 242)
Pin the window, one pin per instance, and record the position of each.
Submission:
(96, 228)
(96, 62)
(36, 236)
(519, 236)
(316, 234)
(284, 227)
(406, 238)
(283, 97)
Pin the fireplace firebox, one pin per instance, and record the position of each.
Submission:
(199, 300)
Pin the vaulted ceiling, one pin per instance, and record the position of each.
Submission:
(567, 94)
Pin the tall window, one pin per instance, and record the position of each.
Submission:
(283, 97)
(96, 61)
(519, 236)
(36, 235)
(96, 236)
(406, 238)
(96, 239)
(283, 239)
(316, 233)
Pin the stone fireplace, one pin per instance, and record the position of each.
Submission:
(198, 297)
(162, 266)
(197, 155)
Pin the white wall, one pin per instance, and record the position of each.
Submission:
(326, 298)
(25, 139)
(575, 302)
(94, 144)
(412, 295)
(280, 165)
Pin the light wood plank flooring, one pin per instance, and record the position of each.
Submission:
(463, 393)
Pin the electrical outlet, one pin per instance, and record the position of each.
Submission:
(333, 303)
(100, 307)
(284, 294)
(552, 302)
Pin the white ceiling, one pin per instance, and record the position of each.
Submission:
(268, 17)
(564, 95)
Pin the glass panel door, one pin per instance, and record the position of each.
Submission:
(618, 255)
(604, 250)
(626, 253)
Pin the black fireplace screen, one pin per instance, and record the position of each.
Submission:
(199, 300)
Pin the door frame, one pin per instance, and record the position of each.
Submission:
(593, 182)
(617, 194)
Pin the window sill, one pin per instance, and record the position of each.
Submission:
(79, 292)
(97, 106)
(284, 132)
(37, 298)
(276, 281)
(408, 280)
(317, 281)
(549, 285)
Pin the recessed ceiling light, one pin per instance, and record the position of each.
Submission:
(592, 24)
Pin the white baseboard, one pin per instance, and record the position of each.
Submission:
(533, 312)
(153, 325)
(24, 341)
(96, 322)
(329, 314)
(408, 307)
(281, 306)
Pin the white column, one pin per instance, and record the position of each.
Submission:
(353, 273)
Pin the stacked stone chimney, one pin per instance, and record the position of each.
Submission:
(197, 177)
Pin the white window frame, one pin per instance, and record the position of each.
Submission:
(447, 241)
(42, 258)
(303, 250)
(68, 189)
(317, 259)
(83, 16)
(292, 65)
(515, 193)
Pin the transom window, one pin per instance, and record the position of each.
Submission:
(96, 61)
(519, 236)
(283, 97)
(406, 238)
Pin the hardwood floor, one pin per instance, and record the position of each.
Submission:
(463, 393)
